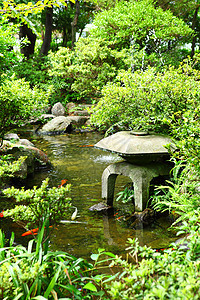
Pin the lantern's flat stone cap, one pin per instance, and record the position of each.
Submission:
(132, 143)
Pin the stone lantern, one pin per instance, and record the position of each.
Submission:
(145, 157)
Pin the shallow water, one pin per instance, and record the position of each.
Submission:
(82, 166)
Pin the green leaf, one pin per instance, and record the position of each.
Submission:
(94, 256)
(14, 277)
(90, 286)
(12, 239)
(110, 254)
(19, 296)
(52, 283)
(39, 298)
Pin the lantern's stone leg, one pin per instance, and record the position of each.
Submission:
(141, 177)
(141, 192)
(108, 186)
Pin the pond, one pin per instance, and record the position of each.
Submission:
(74, 159)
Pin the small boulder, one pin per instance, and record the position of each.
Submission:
(100, 207)
(58, 110)
(35, 158)
(58, 125)
(70, 107)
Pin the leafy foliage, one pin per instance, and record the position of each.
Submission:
(143, 28)
(33, 274)
(29, 273)
(129, 35)
(165, 274)
(8, 58)
(87, 69)
(8, 167)
(127, 195)
(18, 103)
(149, 100)
(35, 205)
(34, 71)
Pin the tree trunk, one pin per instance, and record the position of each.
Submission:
(74, 22)
(48, 31)
(193, 27)
(64, 36)
(26, 32)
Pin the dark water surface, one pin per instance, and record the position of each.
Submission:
(82, 166)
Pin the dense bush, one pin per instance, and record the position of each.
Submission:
(8, 57)
(141, 24)
(18, 103)
(84, 71)
(33, 70)
(149, 100)
(35, 205)
(130, 35)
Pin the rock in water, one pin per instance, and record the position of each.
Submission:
(57, 125)
(145, 218)
(99, 207)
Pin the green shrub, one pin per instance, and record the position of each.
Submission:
(8, 57)
(84, 71)
(151, 34)
(181, 194)
(18, 103)
(33, 70)
(131, 34)
(35, 205)
(149, 100)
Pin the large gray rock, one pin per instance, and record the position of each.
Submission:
(62, 124)
(58, 125)
(58, 110)
(34, 157)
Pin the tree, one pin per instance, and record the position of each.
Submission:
(8, 58)
(130, 35)
(141, 25)
(75, 21)
(64, 17)
(27, 49)
(187, 10)
(21, 11)
(48, 30)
